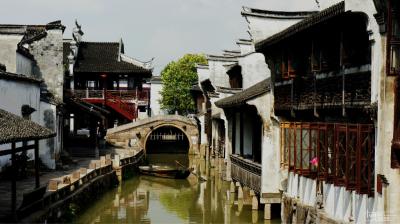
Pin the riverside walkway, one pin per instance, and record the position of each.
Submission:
(61, 184)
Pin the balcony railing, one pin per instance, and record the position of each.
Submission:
(247, 172)
(126, 95)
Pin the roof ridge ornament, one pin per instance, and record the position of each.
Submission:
(77, 32)
(318, 5)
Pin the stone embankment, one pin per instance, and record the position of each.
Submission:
(67, 195)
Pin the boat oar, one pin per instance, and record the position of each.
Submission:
(191, 171)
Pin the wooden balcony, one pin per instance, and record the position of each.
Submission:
(98, 96)
(125, 102)
(350, 88)
(247, 172)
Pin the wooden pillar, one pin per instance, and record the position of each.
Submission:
(241, 132)
(13, 181)
(233, 145)
(37, 179)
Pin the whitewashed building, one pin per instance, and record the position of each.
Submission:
(334, 81)
(252, 130)
(155, 96)
(35, 52)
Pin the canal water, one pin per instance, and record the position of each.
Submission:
(145, 199)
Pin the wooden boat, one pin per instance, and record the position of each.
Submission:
(165, 171)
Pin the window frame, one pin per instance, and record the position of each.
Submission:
(342, 160)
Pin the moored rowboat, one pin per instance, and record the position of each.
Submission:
(165, 171)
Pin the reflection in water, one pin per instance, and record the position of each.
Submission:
(146, 199)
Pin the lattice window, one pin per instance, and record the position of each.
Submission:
(351, 159)
(292, 150)
(285, 144)
(365, 154)
(313, 148)
(287, 67)
(340, 154)
(297, 147)
(345, 153)
(322, 152)
(305, 148)
(394, 42)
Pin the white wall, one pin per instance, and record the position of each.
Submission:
(338, 203)
(245, 48)
(270, 154)
(48, 53)
(254, 69)
(203, 73)
(8, 54)
(203, 136)
(24, 65)
(155, 98)
(218, 76)
(261, 28)
(49, 149)
(13, 95)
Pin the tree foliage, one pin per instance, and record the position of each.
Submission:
(178, 78)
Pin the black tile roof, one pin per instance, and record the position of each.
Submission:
(247, 94)
(18, 77)
(14, 129)
(103, 57)
(33, 33)
(276, 14)
(303, 25)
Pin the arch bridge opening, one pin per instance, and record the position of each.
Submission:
(167, 140)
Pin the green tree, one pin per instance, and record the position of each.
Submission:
(177, 78)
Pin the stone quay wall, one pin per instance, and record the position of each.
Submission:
(68, 195)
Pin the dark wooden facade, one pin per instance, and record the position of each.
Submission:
(321, 75)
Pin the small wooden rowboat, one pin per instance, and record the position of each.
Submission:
(165, 171)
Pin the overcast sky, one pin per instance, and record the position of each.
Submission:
(163, 29)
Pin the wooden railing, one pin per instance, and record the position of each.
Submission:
(247, 172)
(127, 95)
(124, 102)
(128, 110)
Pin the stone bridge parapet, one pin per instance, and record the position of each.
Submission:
(135, 134)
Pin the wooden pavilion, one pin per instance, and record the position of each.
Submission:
(19, 135)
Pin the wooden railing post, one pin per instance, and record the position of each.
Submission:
(13, 181)
(37, 178)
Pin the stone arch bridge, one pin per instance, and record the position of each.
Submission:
(159, 134)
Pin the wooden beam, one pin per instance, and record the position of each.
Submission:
(241, 132)
(233, 133)
(15, 150)
(37, 180)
